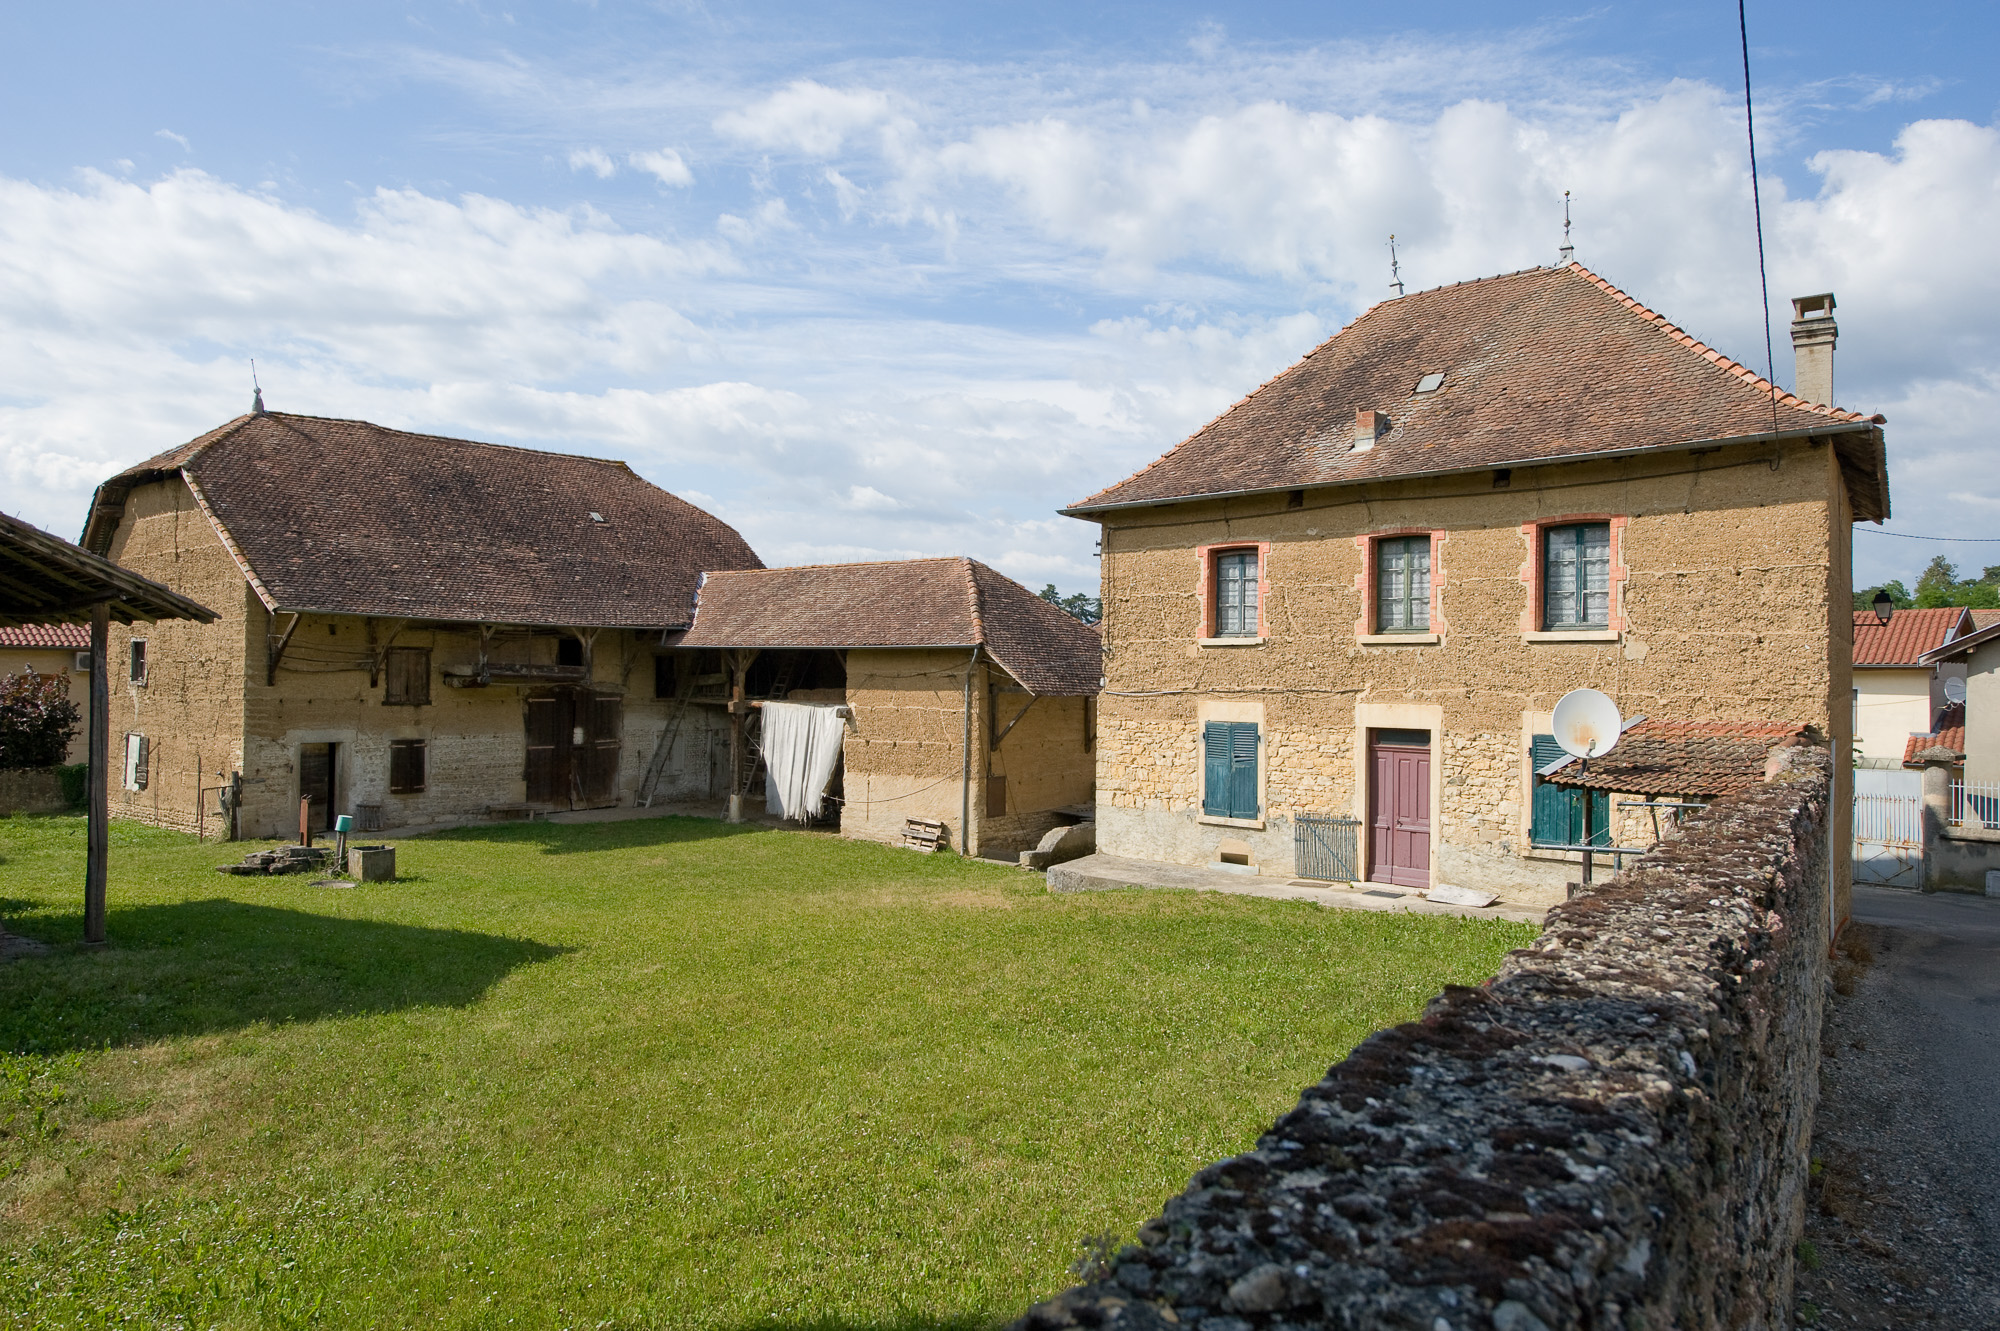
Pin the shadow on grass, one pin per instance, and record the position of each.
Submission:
(572, 838)
(904, 1322)
(200, 967)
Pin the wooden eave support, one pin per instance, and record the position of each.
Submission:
(274, 649)
(992, 717)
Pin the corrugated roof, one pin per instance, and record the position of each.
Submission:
(63, 637)
(1907, 635)
(1538, 366)
(346, 517)
(1684, 758)
(951, 602)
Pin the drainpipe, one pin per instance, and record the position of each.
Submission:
(965, 775)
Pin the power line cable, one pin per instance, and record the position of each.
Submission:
(1757, 204)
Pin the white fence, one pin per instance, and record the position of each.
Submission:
(1888, 829)
(1975, 804)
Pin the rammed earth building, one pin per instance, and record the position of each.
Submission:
(1352, 600)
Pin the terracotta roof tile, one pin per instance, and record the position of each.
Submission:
(901, 603)
(1907, 635)
(1950, 735)
(346, 517)
(66, 637)
(1538, 366)
(1985, 619)
(1684, 758)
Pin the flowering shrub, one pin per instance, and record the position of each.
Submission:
(37, 720)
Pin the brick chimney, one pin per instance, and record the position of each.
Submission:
(1813, 334)
(1368, 427)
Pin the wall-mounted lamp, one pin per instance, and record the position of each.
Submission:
(1884, 607)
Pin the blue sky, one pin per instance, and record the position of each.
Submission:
(875, 281)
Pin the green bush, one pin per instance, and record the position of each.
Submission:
(75, 779)
(37, 720)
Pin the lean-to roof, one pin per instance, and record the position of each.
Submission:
(952, 602)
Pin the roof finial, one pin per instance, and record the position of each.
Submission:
(1568, 250)
(1395, 269)
(257, 390)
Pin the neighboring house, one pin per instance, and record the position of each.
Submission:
(1358, 593)
(973, 699)
(420, 629)
(1896, 694)
(53, 649)
(1973, 730)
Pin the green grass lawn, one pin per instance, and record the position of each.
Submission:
(645, 1074)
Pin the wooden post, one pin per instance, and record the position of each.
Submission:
(965, 774)
(738, 669)
(98, 844)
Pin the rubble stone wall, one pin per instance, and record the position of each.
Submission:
(1612, 1133)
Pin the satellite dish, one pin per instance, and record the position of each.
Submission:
(1587, 723)
(1954, 690)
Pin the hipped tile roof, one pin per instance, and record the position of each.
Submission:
(1684, 758)
(345, 517)
(63, 637)
(1907, 635)
(952, 602)
(1538, 366)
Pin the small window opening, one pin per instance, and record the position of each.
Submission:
(1430, 383)
(597, 517)
(138, 660)
(332, 630)
(1295, 499)
(1502, 478)
(569, 651)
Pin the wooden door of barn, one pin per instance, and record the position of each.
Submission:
(1399, 797)
(573, 748)
(316, 762)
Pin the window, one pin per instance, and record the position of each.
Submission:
(138, 756)
(406, 766)
(138, 661)
(1557, 818)
(1403, 584)
(1236, 594)
(1229, 769)
(569, 651)
(663, 676)
(408, 681)
(1576, 576)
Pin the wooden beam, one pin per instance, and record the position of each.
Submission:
(995, 716)
(274, 652)
(97, 853)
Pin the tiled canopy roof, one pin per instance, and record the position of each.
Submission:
(1538, 366)
(1907, 635)
(1683, 758)
(64, 637)
(904, 603)
(346, 517)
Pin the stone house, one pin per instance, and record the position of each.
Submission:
(972, 699)
(1896, 693)
(1352, 600)
(420, 629)
(53, 649)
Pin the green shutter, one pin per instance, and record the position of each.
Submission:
(1215, 769)
(1242, 769)
(1557, 818)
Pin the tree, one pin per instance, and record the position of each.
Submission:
(37, 720)
(1084, 609)
(1899, 596)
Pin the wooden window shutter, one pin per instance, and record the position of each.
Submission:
(1557, 817)
(408, 682)
(137, 757)
(1242, 769)
(1215, 769)
(406, 766)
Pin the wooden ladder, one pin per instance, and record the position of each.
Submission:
(657, 768)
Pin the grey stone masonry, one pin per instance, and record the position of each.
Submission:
(1611, 1133)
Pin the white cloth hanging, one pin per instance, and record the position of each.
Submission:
(801, 746)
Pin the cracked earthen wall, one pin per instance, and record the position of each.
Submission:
(1733, 594)
(1611, 1135)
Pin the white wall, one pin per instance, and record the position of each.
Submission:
(1891, 705)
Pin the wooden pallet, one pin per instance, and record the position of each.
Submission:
(923, 834)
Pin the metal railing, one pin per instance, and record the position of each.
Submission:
(1889, 820)
(1975, 804)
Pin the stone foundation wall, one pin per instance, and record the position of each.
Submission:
(1612, 1133)
(31, 790)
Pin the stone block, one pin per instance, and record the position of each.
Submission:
(372, 864)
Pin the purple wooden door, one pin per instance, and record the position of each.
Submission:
(1399, 799)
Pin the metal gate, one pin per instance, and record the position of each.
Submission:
(1325, 848)
(1889, 840)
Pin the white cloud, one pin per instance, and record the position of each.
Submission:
(806, 117)
(665, 165)
(594, 160)
(172, 137)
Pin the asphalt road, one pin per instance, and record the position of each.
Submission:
(1905, 1226)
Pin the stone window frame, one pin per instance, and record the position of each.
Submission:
(1207, 563)
(1365, 628)
(1535, 535)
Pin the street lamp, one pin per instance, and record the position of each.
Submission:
(1884, 607)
